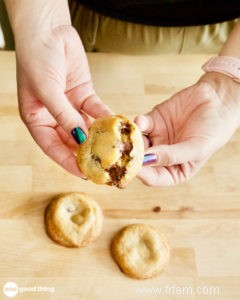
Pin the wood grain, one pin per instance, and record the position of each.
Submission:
(200, 218)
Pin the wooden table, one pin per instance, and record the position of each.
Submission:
(199, 218)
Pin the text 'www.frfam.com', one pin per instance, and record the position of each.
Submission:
(177, 290)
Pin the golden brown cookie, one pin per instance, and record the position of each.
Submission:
(113, 152)
(73, 220)
(140, 251)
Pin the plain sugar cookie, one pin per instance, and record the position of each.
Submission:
(140, 251)
(73, 220)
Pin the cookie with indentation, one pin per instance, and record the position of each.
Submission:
(113, 152)
(140, 251)
(73, 220)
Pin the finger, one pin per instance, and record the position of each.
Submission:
(147, 141)
(156, 124)
(169, 155)
(55, 148)
(94, 107)
(65, 114)
(168, 176)
(86, 119)
(67, 140)
(145, 123)
(152, 176)
(85, 98)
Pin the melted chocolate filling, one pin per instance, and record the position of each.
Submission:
(127, 148)
(116, 172)
(124, 148)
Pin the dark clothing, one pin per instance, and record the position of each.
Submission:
(167, 12)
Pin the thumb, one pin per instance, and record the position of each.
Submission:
(145, 123)
(65, 114)
(169, 155)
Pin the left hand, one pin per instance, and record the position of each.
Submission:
(189, 127)
(55, 91)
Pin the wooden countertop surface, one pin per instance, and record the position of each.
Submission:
(199, 218)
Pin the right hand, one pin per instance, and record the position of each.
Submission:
(55, 92)
(188, 128)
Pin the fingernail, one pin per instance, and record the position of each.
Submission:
(149, 158)
(79, 135)
(148, 139)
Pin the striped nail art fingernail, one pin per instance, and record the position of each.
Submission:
(149, 158)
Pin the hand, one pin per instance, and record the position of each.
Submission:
(188, 128)
(55, 92)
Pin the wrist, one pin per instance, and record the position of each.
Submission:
(31, 18)
(224, 85)
(227, 90)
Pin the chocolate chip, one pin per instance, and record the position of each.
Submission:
(157, 209)
(125, 129)
(96, 158)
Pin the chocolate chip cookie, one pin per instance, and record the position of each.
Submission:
(113, 152)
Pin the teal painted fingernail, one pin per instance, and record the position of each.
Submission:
(79, 135)
(149, 158)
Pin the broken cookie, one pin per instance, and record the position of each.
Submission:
(113, 152)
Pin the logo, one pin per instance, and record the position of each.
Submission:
(10, 289)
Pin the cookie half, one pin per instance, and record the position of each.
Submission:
(113, 152)
(140, 251)
(73, 220)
